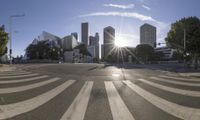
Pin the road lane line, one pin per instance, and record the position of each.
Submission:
(14, 72)
(173, 90)
(11, 110)
(178, 78)
(183, 112)
(19, 76)
(22, 80)
(176, 82)
(77, 109)
(118, 108)
(27, 87)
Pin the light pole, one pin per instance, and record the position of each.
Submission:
(184, 40)
(10, 37)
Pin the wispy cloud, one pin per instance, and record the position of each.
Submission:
(146, 7)
(129, 6)
(159, 24)
(123, 14)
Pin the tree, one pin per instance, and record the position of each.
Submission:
(42, 51)
(175, 37)
(3, 41)
(83, 50)
(158, 55)
(144, 52)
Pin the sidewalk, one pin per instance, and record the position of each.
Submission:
(4, 67)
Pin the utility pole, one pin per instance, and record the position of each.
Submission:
(184, 45)
(184, 40)
(10, 36)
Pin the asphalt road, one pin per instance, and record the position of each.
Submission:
(97, 92)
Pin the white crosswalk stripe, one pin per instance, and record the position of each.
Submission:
(22, 80)
(171, 89)
(19, 76)
(11, 110)
(179, 78)
(78, 108)
(118, 108)
(27, 87)
(79, 105)
(14, 73)
(179, 111)
(176, 82)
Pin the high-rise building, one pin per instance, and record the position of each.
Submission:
(148, 35)
(69, 42)
(75, 34)
(109, 40)
(85, 33)
(94, 41)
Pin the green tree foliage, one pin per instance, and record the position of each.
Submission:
(175, 37)
(83, 49)
(3, 41)
(144, 52)
(42, 51)
(158, 56)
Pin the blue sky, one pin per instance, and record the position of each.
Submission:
(61, 17)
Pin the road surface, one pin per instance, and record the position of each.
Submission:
(96, 92)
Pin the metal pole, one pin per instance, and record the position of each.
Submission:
(10, 37)
(184, 44)
(10, 40)
(184, 39)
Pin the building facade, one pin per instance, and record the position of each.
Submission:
(85, 33)
(108, 41)
(75, 34)
(94, 42)
(148, 35)
(167, 52)
(69, 42)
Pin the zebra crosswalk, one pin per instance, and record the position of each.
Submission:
(120, 108)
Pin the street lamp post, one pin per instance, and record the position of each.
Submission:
(184, 40)
(10, 37)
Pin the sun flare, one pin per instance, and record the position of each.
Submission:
(119, 41)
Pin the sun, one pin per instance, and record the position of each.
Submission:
(119, 41)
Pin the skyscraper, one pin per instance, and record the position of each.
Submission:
(85, 33)
(109, 40)
(94, 41)
(148, 35)
(75, 34)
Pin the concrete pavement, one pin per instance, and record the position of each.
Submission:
(97, 92)
(4, 67)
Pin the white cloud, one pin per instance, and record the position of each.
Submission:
(129, 6)
(162, 27)
(122, 14)
(146, 7)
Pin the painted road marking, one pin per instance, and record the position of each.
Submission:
(27, 87)
(183, 112)
(77, 109)
(11, 110)
(178, 78)
(18, 76)
(176, 82)
(118, 108)
(14, 72)
(173, 90)
(22, 80)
